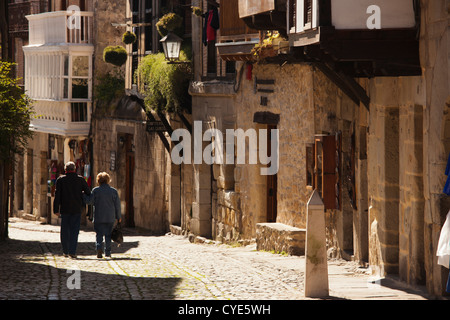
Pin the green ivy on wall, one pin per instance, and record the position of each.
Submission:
(110, 86)
(164, 85)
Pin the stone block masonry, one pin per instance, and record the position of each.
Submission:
(280, 238)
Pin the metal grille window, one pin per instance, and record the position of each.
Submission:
(79, 111)
(308, 13)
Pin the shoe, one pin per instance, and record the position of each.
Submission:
(66, 255)
(99, 254)
(108, 255)
(73, 256)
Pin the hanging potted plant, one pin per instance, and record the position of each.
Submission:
(116, 55)
(268, 47)
(197, 11)
(170, 22)
(129, 37)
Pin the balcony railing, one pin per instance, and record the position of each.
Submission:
(60, 27)
(64, 118)
(236, 39)
(305, 15)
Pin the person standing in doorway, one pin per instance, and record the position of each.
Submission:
(106, 202)
(68, 204)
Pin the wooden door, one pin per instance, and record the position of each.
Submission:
(129, 182)
(271, 184)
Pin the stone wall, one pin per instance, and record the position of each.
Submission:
(396, 176)
(35, 191)
(293, 101)
(435, 49)
(407, 154)
(213, 185)
(280, 238)
(106, 13)
(335, 112)
(150, 188)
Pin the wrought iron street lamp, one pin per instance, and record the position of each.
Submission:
(172, 47)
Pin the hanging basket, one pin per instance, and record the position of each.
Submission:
(116, 55)
(129, 37)
(170, 22)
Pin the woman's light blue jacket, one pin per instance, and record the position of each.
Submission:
(106, 203)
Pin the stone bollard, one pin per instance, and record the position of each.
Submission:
(316, 269)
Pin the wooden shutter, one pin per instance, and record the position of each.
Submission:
(230, 23)
(327, 170)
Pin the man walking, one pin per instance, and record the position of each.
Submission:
(69, 204)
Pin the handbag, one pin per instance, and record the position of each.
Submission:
(116, 234)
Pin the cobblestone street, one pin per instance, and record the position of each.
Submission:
(166, 268)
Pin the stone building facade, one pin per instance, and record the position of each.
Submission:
(387, 157)
(391, 160)
(61, 135)
(137, 162)
(407, 154)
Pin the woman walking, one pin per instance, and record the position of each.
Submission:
(106, 210)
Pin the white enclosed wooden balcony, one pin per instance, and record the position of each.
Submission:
(363, 38)
(310, 15)
(60, 27)
(62, 118)
(58, 71)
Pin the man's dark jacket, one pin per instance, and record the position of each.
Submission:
(68, 194)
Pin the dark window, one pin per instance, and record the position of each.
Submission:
(134, 66)
(80, 88)
(212, 55)
(148, 11)
(308, 11)
(79, 111)
(135, 11)
(148, 39)
(230, 66)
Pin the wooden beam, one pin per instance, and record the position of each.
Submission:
(363, 50)
(185, 122)
(325, 13)
(151, 118)
(159, 133)
(348, 85)
(165, 122)
(356, 88)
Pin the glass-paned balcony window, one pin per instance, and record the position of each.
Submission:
(80, 89)
(80, 77)
(50, 76)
